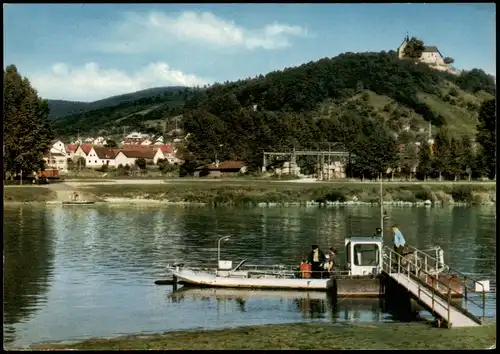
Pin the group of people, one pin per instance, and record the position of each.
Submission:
(321, 263)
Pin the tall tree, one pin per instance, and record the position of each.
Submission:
(375, 153)
(410, 159)
(457, 158)
(414, 48)
(486, 137)
(442, 152)
(425, 162)
(27, 129)
(467, 159)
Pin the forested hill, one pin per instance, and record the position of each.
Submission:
(62, 108)
(358, 99)
(354, 98)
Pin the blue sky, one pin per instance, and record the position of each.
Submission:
(91, 51)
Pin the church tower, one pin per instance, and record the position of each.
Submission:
(401, 48)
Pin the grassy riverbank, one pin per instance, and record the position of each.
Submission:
(26, 194)
(253, 193)
(303, 336)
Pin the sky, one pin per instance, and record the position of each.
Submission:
(86, 52)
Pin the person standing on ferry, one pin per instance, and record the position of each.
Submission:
(316, 258)
(398, 241)
(331, 259)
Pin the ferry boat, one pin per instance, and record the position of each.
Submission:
(366, 259)
(361, 275)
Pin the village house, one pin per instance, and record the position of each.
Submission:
(225, 168)
(129, 156)
(136, 135)
(100, 141)
(70, 150)
(82, 151)
(58, 147)
(99, 156)
(56, 160)
(169, 153)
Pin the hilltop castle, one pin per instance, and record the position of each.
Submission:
(431, 56)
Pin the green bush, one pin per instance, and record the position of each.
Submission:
(334, 196)
(462, 194)
(423, 194)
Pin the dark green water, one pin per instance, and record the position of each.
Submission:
(77, 272)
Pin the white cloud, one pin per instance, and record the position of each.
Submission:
(141, 32)
(91, 82)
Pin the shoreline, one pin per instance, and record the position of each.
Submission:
(143, 201)
(307, 204)
(262, 194)
(417, 335)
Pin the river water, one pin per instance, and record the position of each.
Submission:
(72, 273)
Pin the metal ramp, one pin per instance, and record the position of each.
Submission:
(415, 271)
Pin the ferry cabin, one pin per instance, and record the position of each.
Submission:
(363, 255)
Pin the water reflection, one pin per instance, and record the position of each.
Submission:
(28, 264)
(83, 272)
(308, 305)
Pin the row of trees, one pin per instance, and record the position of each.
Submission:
(279, 111)
(27, 129)
(375, 150)
(243, 119)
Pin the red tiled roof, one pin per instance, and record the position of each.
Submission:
(105, 153)
(166, 148)
(71, 148)
(139, 153)
(86, 148)
(141, 147)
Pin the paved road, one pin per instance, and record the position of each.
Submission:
(75, 183)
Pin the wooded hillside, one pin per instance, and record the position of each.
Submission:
(366, 101)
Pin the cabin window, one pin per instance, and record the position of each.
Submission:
(348, 253)
(366, 254)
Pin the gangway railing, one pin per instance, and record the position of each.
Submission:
(435, 265)
(411, 265)
(432, 264)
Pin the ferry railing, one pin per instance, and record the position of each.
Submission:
(270, 270)
(431, 264)
(435, 265)
(439, 288)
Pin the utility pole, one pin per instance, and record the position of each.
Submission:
(329, 160)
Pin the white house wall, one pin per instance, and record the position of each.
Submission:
(58, 162)
(123, 160)
(80, 153)
(158, 156)
(432, 58)
(93, 161)
(58, 148)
